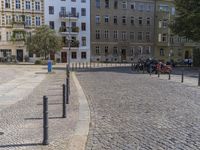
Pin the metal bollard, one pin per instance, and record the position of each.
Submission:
(45, 121)
(64, 101)
(199, 80)
(131, 66)
(182, 77)
(143, 69)
(169, 76)
(67, 90)
(158, 74)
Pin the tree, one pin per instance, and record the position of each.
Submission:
(187, 22)
(43, 41)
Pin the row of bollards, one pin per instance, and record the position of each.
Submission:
(65, 96)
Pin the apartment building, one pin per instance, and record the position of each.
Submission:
(169, 46)
(17, 20)
(122, 30)
(71, 20)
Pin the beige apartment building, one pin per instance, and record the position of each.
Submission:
(18, 18)
(122, 30)
(169, 46)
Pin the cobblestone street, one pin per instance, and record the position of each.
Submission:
(22, 122)
(137, 112)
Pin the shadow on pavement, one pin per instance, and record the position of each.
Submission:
(41, 118)
(20, 145)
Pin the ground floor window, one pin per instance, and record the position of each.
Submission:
(83, 55)
(162, 53)
(5, 52)
(74, 55)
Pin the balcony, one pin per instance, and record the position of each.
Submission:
(66, 15)
(74, 43)
(66, 30)
(18, 24)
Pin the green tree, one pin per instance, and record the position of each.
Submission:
(43, 41)
(187, 22)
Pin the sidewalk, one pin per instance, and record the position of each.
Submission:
(21, 123)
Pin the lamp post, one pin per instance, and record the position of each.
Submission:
(69, 40)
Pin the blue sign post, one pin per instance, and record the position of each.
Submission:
(49, 66)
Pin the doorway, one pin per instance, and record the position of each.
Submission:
(20, 55)
(123, 55)
(63, 57)
(186, 54)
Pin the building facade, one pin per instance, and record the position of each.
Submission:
(71, 20)
(122, 30)
(18, 18)
(169, 46)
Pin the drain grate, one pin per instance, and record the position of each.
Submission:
(1, 133)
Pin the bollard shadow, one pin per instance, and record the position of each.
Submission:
(20, 145)
(50, 104)
(42, 118)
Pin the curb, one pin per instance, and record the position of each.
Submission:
(79, 139)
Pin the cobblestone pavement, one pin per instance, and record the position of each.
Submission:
(132, 111)
(17, 82)
(21, 123)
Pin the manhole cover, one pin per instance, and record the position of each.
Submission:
(1, 133)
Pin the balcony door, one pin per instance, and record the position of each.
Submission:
(73, 12)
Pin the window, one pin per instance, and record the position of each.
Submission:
(51, 10)
(83, 55)
(162, 53)
(132, 51)
(97, 3)
(132, 6)
(106, 3)
(124, 20)
(115, 35)
(124, 5)
(106, 19)
(173, 11)
(165, 23)
(106, 34)
(115, 4)
(141, 7)
(18, 5)
(97, 50)
(132, 20)
(0, 36)
(83, 12)
(106, 50)
(74, 56)
(115, 19)
(147, 36)
(164, 37)
(7, 3)
(8, 20)
(97, 34)
(83, 41)
(37, 6)
(148, 21)
(132, 35)
(139, 36)
(8, 36)
(51, 24)
(28, 5)
(37, 21)
(115, 51)
(97, 19)
(140, 21)
(123, 35)
(83, 1)
(164, 8)
(28, 20)
(83, 26)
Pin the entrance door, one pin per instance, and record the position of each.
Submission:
(123, 55)
(186, 54)
(52, 55)
(20, 55)
(63, 57)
